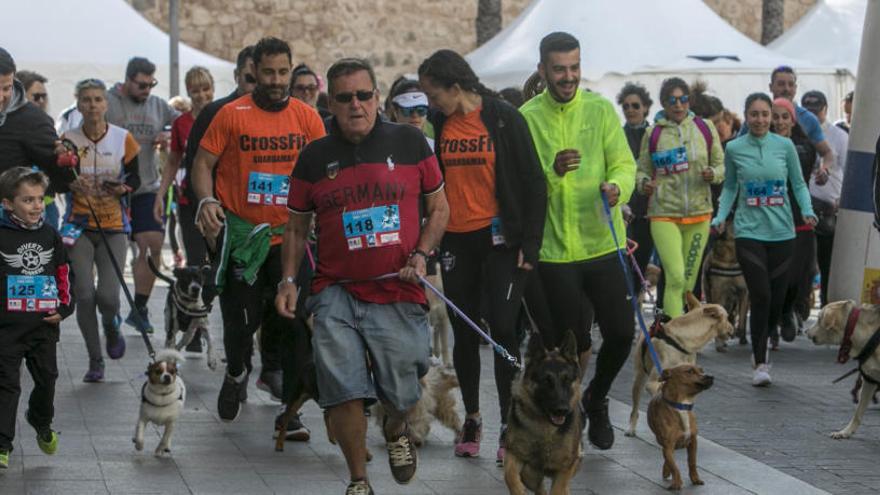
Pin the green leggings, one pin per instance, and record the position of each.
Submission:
(680, 247)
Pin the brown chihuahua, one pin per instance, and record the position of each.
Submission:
(672, 419)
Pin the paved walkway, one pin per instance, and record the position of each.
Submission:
(96, 422)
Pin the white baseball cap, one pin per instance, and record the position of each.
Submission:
(411, 99)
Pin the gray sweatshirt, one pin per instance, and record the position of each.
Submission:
(144, 121)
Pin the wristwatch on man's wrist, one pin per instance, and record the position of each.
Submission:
(287, 280)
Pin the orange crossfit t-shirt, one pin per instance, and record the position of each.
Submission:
(257, 150)
(468, 155)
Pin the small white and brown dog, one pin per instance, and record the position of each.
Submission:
(857, 330)
(162, 399)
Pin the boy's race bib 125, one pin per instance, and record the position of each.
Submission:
(372, 227)
(765, 192)
(672, 161)
(31, 293)
(267, 189)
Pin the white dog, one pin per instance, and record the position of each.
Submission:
(162, 398)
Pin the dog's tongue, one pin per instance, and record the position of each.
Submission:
(557, 420)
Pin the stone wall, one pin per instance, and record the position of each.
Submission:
(395, 35)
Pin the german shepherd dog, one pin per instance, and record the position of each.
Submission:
(545, 422)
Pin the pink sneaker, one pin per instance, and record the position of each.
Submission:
(469, 443)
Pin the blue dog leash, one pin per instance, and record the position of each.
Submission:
(629, 286)
(510, 358)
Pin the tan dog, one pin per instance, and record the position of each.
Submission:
(672, 419)
(726, 285)
(690, 332)
(831, 329)
(162, 399)
(437, 402)
(545, 423)
(438, 318)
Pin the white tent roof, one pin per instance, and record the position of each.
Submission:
(830, 34)
(94, 38)
(623, 37)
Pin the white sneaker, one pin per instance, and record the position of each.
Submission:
(761, 378)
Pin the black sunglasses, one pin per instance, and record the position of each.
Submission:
(250, 79)
(420, 110)
(40, 96)
(144, 85)
(634, 106)
(360, 95)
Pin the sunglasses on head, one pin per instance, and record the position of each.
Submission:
(420, 110)
(634, 106)
(672, 100)
(144, 85)
(302, 88)
(360, 95)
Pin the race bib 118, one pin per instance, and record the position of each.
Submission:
(372, 227)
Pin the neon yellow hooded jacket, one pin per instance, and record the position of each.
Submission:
(576, 228)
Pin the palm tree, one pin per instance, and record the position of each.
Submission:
(772, 17)
(488, 20)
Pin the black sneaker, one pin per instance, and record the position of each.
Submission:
(402, 458)
(195, 345)
(600, 433)
(359, 487)
(296, 431)
(272, 382)
(242, 388)
(228, 402)
(788, 327)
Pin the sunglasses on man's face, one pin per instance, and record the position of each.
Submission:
(40, 96)
(360, 95)
(144, 85)
(250, 79)
(672, 100)
(634, 106)
(420, 110)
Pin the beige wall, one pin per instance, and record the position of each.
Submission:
(395, 35)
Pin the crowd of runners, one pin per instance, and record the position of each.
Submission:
(320, 206)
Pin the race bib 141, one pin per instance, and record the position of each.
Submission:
(267, 189)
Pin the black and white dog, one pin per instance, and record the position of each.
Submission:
(185, 312)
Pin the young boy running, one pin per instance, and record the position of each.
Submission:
(35, 296)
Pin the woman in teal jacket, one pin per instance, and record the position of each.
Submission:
(760, 166)
(681, 156)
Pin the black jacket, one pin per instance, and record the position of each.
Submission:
(29, 253)
(27, 138)
(196, 133)
(520, 185)
(638, 203)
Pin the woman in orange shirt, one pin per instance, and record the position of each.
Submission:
(497, 199)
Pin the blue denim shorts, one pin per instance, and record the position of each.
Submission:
(346, 330)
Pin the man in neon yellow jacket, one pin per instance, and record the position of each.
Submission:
(584, 153)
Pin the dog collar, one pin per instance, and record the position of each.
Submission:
(846, 343)
(144, 395)
(681, 406)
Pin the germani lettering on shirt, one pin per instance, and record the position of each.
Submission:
(363, 193)
(467, 145)
(291, 141)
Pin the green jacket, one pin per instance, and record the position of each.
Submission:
(246, 245)
(576, 228)
(683, 194)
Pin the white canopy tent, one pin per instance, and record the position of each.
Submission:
(645, 41)
(73, 40)
(830, 34)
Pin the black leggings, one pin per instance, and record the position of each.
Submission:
(765, 266)
(824, 243)
(639, 230)
(599, 283)
(193, 242)
(465, 258)
(802, 271)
